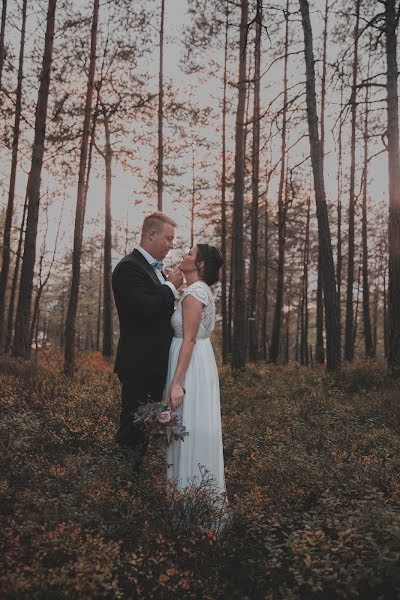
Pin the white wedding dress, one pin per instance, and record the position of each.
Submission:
(201, 452)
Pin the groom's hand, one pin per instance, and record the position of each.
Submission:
(176, 278)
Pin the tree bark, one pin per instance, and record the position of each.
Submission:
(328, 271)
(107, 287)
(160, 160)
(319, 345)
(304, 295)
(276, 327)
(349, 328)
(69, 357)
(394, 187)
(2, 36)
(255, 180)
(239, 308)
(368, 341)
(224, 308)
(22, 346)
(5, 265)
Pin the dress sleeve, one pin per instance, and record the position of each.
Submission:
(199, 292)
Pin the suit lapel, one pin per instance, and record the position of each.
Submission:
(143, 262)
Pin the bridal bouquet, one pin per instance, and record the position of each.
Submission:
(160, 421)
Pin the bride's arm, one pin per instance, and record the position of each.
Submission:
(192, 310)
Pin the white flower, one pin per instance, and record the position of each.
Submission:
(164, 417)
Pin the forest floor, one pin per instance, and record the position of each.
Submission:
(313, 474)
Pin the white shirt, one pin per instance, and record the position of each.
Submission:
(150, 259)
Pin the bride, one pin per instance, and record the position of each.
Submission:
(192, 381)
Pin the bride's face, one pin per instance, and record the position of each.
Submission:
(188, 263)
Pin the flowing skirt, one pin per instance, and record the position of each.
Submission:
(200, 454)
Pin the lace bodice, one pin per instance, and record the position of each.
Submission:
(201, 292)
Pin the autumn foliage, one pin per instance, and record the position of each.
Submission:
(313, 480)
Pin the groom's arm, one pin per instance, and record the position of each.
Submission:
(130, 283)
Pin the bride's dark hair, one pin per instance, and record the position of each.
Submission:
(213, 261)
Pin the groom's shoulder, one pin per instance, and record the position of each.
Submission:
(130, 260)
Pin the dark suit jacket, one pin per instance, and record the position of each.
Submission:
(145, 307)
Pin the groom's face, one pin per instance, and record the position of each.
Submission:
(162, 241)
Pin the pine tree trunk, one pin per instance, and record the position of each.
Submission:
(339, 259)
(15, 279)
(253, 342)
(266, 281)
(328, 269)
(349, 329)
(108, 333)
(368, 341)
(319, 345)
(98, 328)
(5, 266)
(304, 297)
(70, 330)
(2, 36)
(394, 188)
(22, 346)
(276, 327)
(239, 308)
(224, 308)
(160, 160)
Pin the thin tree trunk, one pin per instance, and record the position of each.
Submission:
(98, 329)
(5, 266)
(160, 160)
(2, 36)
(328, 271)
(14, 285)
(69, 362)
(276, 327)
(391, 18)
(107, 287)
(385, 318)
(193, 198)
(253, 342)
(304, 297)
(239, 309)
(357, 302)
(319, 345)
(368, 341)
(22, 346)
(349, 329)
(224, 308)
(339, 259)
(266, 281)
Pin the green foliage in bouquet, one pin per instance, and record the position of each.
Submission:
(160, 422)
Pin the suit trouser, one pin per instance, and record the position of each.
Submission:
(137, 389)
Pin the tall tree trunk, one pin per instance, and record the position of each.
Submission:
(328, 270)
(22, 329)
(391, 18)
(5, 266)
(339, 259)
(239, 309)
(15, 279)
(266, 281)
(98, 328)
(224, 308)
(385, 317)
(2, 36)
(276, 327)
(349, 329)
(253, 342)
(357, 302)
(69, 362)
(368, 341)
(160, 159)
(304, 296)
(108, 333)
(193, 198)
(319, 345)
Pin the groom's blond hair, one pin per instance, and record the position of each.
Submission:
(155, 222)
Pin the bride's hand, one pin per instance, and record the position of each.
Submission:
(176, 395)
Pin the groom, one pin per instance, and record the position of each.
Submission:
(145, 302)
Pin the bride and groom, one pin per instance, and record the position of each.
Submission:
(167, 354)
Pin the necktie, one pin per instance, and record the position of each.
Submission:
(157, 264)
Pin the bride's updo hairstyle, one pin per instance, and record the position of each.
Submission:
(213, 261)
